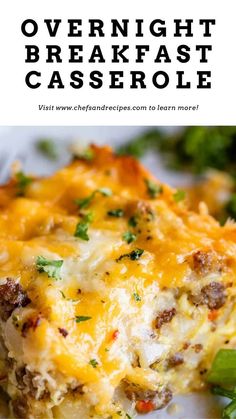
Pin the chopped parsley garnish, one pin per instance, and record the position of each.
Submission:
(128, 416)
(22, 182)
(129, 237)
(87, 154)
(82, 226)
(62, 294)
(85, 202)
(116, 213)
(136, 296)
(223, 371)
(134, 255)
(179, 195)
(133, 221)
(50, 267)
(48, 148)
(93, 362)
(81, 230)
(80, 319)
(153, 189)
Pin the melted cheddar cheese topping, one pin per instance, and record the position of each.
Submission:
(94, 323)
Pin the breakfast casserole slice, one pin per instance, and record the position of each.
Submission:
(110, 290)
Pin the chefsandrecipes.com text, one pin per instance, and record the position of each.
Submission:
(117, 108)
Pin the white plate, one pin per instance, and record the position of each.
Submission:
(20, 141)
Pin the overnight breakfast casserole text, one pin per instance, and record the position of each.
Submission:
(113, 296)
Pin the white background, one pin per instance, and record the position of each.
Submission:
(19, 104)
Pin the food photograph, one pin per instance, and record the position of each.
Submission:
(118, 272)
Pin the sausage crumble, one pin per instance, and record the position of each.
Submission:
(164, 317)
(175, 360)
(205, 262)
(12, 296)
(213, 295)
(159, 398)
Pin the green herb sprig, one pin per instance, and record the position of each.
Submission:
(80, 319)
(81, 230)
(85, 202)
(179, 195)
(87, 154)
(129, 237)
(223, 371)
(138, 146)
(137, 297)
(50, 267)
(133, 221)
(48, 148)
(153, 189)
(194, 148)
(134, 255)
(118, 212)
(22, 182)
(93, 362)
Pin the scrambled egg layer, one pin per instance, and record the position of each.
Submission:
(143, 298)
